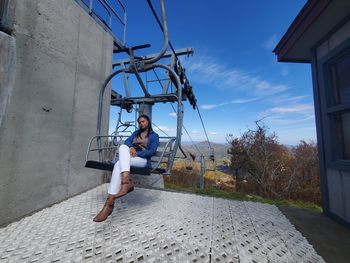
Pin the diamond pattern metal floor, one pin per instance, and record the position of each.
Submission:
(155, 226)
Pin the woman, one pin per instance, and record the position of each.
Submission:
(136, 151)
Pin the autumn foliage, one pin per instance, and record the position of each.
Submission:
(263, 166)
(186, 174)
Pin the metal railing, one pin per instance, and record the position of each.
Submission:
(112, 15)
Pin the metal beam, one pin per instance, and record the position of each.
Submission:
(178, 52)
(152, 99)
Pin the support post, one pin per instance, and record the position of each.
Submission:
(202, 172)
(146, 108)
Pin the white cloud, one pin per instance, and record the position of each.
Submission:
(172, 114)
(280, 120)
(287, 98)
(271, 42)
(292, 115)
(195, 132)
(240, 101)
(207, 70)
(208, 106)
(213, 133)
(237, 101)
(301, 108)
(265, 88)
(164, 128)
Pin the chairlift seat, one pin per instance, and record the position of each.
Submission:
(161, 157)
(99, 165)
(134, 170)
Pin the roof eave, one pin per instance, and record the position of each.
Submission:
(306, 17)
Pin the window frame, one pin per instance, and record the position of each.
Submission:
(331, 110)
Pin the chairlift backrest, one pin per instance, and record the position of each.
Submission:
(164, 154)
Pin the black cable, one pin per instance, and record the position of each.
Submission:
(160, 129)
(183, 126)
(192, 141)
(171, 46)
(205, 131)
(175, 112)
(160, 82)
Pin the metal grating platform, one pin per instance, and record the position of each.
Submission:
(155, 226)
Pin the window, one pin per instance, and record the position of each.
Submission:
(340, 79)
(339, 105)
(343, 135)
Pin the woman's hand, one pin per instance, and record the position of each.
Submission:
(133, 152)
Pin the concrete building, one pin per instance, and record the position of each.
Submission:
(54, 57)
(320, 35)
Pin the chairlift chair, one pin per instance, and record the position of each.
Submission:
(167, 150)
(101, 149)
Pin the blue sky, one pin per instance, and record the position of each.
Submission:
(235, 76)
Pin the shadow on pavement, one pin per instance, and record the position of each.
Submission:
(330, 239)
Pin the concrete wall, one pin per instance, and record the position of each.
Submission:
(55, 62)
(337, 180)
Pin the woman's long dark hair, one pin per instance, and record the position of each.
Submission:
(149, 129)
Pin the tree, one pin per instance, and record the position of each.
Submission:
(238, 158)
(277, 171)
(258, 155)
(304, 167)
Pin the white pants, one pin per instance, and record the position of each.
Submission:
(123, 165)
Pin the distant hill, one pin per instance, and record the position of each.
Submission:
(220, 150)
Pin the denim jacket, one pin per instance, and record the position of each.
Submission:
(152, 145)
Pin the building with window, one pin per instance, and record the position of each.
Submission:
(320, 35)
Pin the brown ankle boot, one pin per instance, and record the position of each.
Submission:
(127, 185)
(106, 210)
